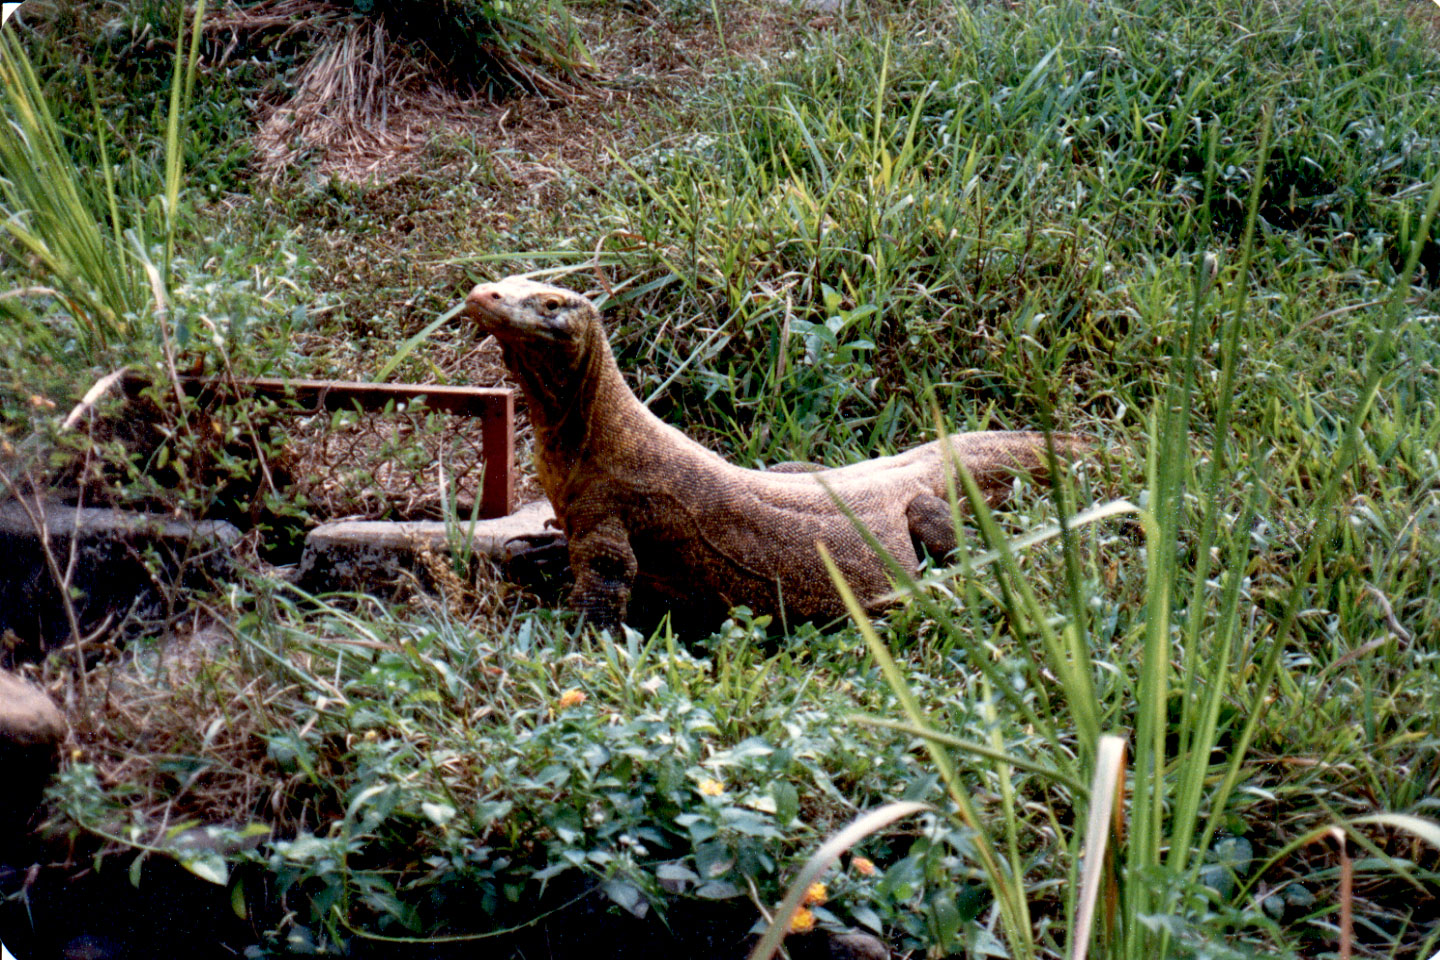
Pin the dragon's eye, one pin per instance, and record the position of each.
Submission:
(552, 304)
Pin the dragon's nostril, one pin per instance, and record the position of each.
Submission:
(494, 295)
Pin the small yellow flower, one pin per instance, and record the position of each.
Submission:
(815, 894)
(571, 698)
(863, 866)
(802, 921)
(712, 788)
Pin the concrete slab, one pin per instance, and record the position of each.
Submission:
(125, 562)
(361, 554)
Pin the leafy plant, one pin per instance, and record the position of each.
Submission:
(1177, 864)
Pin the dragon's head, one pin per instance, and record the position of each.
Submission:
(521, 312)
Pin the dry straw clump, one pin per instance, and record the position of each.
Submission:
(359, 104)
(378, 88)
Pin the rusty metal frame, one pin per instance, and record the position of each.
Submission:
(494, 406)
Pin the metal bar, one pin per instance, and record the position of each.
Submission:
(497, 443)
(494, 406)
(346, 394)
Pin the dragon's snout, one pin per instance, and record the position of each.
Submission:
(483, 296)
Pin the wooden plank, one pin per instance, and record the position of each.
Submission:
(494, 406)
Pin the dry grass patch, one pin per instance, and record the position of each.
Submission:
(368, 102)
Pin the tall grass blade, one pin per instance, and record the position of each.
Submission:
(1169, 468)
(821, 860)
(403, 352)
(979, 750)
(1007, 889)
(182, 87)
(50, 214)
(1324, 516)
(1028, 616)
(1103, 823)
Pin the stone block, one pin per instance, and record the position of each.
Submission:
(124, 563)
(371, 555)
(31, 730)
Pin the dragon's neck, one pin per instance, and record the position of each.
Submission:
(579, 403)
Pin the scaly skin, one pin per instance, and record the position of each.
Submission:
(643, 504)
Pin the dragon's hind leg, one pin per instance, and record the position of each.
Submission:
(932, 528)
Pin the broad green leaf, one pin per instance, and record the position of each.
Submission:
(208, 866)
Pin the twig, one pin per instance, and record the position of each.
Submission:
(30, 292)
(1341, 311)
(764, 913)
(92, 396)
(256, 441)
(1389, 612)
(1347, 897)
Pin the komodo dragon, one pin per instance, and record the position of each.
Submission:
(642, 505)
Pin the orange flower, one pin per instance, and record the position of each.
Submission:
(571, 698)
(815, 894)
(802, 921)
(712, 788)
(863, 866)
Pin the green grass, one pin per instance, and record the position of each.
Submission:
(1197, 233)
